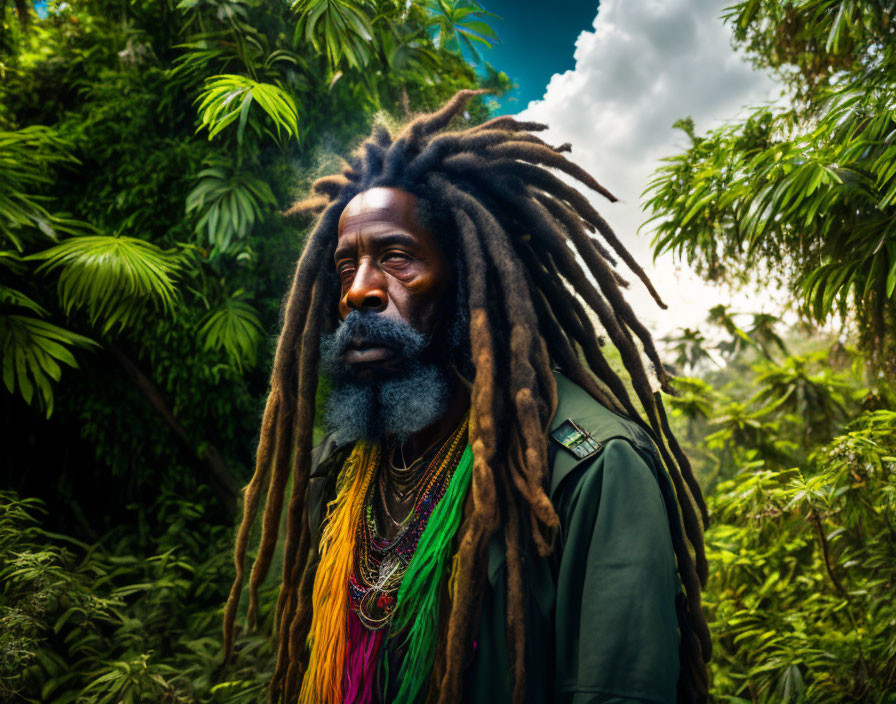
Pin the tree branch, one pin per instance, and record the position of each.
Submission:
(825, 552)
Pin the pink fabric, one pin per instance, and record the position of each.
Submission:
(362, 649)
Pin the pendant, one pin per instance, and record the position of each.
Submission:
(388, 567)
(375, 607)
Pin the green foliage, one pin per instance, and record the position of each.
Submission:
(101, 114)
(803, 559)
(808, 190)
(798, 458)
(340, 29)
(27, 157)
(230, 205)
(32, 350)
(112, 277)
(228, 97)
(101, 623)
(689, 349)
(235, 328)
(796, 446)
(460, 25)
(31, 347)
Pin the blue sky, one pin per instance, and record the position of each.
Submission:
(537, 41)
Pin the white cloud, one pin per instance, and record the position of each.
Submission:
(646, 64)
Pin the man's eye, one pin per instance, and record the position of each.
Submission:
(396, 257)
(345, 270)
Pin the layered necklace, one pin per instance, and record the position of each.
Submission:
(380, 563)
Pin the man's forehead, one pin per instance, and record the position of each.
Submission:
(384, 204)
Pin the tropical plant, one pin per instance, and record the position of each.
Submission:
(688, 348)
(460, 25)
(100, 623)
(802, 387)
(763, 333)
(801, 544)
(340, 29)
(800, 590)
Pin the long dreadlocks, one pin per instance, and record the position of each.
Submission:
(518, 230)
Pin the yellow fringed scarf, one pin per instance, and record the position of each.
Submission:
(322, 683)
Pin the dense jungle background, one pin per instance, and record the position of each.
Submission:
(146, 149)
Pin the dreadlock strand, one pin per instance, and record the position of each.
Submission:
(604, 275)
(622, 340)
(295, 615)
(567, 217)
(547, 232)
(271, 517)
(381, 135)
(299, 452)
(313, 205)
(687, 471)
(449, 142)
(482, 521)
(428, 123)
(280, 399)
(546, 181)
(508, 123)
(330, 186)
(544, 156)
(251, 499)
(569, 269)
(296, 305)
(574, 319)
(519, 308)
(373, 156)
(567, 359)
(295, 630)
(556, 336)
(555, 243)
(516, 631)
(592, 352)
(308, 353)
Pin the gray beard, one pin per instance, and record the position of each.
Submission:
(412, 398)
(398, 406)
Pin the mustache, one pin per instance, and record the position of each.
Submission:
(368, 328)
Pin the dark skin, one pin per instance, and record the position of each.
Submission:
(389, 263)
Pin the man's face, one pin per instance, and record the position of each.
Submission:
(388, 264)
(387, 359)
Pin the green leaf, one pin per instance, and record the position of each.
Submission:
(229, 96)
(891, 279)
(114, 278)
(30, 349)
(235, 328)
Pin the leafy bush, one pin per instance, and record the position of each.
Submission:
(102, 623)
(803, 572)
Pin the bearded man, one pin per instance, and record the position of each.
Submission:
(490, 519)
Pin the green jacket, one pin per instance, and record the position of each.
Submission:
(601, 621)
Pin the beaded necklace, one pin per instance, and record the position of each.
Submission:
(380, 564)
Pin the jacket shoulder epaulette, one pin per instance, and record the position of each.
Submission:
(602, 425)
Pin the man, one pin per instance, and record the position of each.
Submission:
(490, 519)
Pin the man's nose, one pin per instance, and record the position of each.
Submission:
(368, 291)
